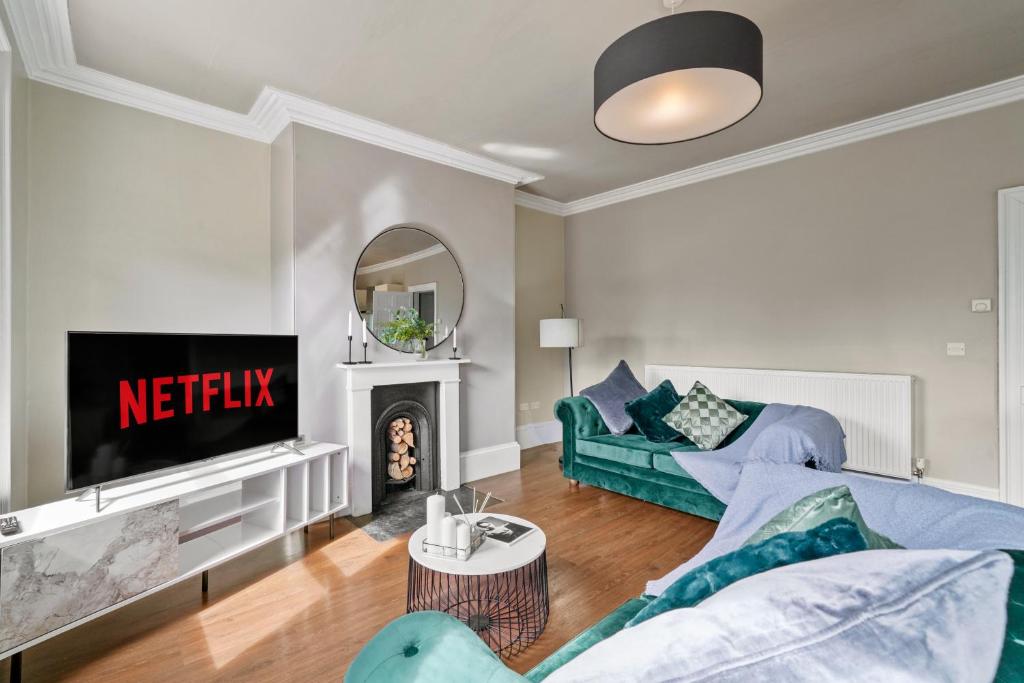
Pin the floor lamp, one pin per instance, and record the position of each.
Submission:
(561, 333)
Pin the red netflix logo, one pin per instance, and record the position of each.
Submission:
(161, 390)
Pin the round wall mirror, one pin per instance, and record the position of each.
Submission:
(407, 276)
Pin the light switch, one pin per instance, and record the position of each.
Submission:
(524, 406)
(535, 405)
(981, 305)
(956, 349)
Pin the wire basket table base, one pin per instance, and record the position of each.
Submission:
(508, 610)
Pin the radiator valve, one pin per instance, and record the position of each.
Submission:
(919, 465)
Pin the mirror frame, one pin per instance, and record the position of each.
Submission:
(462, 278)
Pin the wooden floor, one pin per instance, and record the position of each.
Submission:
(299, 609)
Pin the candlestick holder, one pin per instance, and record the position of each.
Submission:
(350, 361)
(455, 353)
(364, 361)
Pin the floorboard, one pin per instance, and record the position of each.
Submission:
(302, 607)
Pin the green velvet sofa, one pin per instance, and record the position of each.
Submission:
(632, 465)
(433, 647)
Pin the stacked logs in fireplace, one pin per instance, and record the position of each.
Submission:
(401, 451)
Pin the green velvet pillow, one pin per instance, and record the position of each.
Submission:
(649, 410)
(834, 537)
(1011, 664)
(813, 510)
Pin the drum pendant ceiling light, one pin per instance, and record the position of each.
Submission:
(677, 78)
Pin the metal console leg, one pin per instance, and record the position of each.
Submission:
(330, 521)
(16, 667)
(206, 582)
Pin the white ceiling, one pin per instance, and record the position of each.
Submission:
(513, 80)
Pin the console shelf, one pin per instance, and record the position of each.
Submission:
(189, 522)
(212, 549)
(210, 512)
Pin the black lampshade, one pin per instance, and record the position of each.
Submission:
(677, 78)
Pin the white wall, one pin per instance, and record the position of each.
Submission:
(134, 222)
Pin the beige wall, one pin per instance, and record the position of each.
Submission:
(345, 193)
(19, 262)
(863, 258)
(541, 375)
(134, 222)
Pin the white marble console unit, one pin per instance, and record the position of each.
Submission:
(70, 563)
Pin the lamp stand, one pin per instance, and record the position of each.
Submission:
(571, 392)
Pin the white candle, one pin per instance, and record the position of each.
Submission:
(462, 537)
(364, 330)
(350, 324)
(455, 337)
(435, 513)
(448, 526)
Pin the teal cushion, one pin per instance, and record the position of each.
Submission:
(428, 647)
(1011, 662)
(821, 506)
(834, 537)
(649, 410)
(664, 462)
(628, 449)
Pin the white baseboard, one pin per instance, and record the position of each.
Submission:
(539, 433)
(487, 462)
(962, 488)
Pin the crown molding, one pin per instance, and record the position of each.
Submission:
(274, 109)
(403, 260)
(969, 101)
(533, 201)
(42, 31)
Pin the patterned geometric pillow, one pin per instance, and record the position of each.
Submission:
(704, 418)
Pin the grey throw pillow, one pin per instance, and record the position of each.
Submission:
(705, 419)
(611, 395)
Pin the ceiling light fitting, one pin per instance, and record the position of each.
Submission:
(678, 78)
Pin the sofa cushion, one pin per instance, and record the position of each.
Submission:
(648, 413)
(610, 397)
(628, 449)
(834, 537)
(816, 508)
(704, 418)
(664, 462)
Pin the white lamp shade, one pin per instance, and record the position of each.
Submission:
(560, 333)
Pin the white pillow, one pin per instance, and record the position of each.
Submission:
(878, 615)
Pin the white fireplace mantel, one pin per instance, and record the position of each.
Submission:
(360, 379)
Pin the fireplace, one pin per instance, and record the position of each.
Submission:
(404, 439)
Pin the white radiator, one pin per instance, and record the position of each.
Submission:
(874, 410)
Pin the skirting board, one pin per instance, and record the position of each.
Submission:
(964, 489)
(539, 433)
(487, 462)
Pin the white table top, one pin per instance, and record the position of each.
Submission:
(492, 557)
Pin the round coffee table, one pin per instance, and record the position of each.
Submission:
(501, 591)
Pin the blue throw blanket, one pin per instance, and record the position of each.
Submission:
(782, 434)
(914, 515)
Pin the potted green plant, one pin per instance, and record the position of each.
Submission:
(408, 327)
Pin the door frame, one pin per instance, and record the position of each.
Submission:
(1011, 336)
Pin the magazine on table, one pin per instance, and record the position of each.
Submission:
(502, 530)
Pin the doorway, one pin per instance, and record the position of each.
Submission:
(1011, 345)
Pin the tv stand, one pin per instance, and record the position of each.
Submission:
(188, 521)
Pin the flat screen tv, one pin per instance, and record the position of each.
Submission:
(138, 403)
